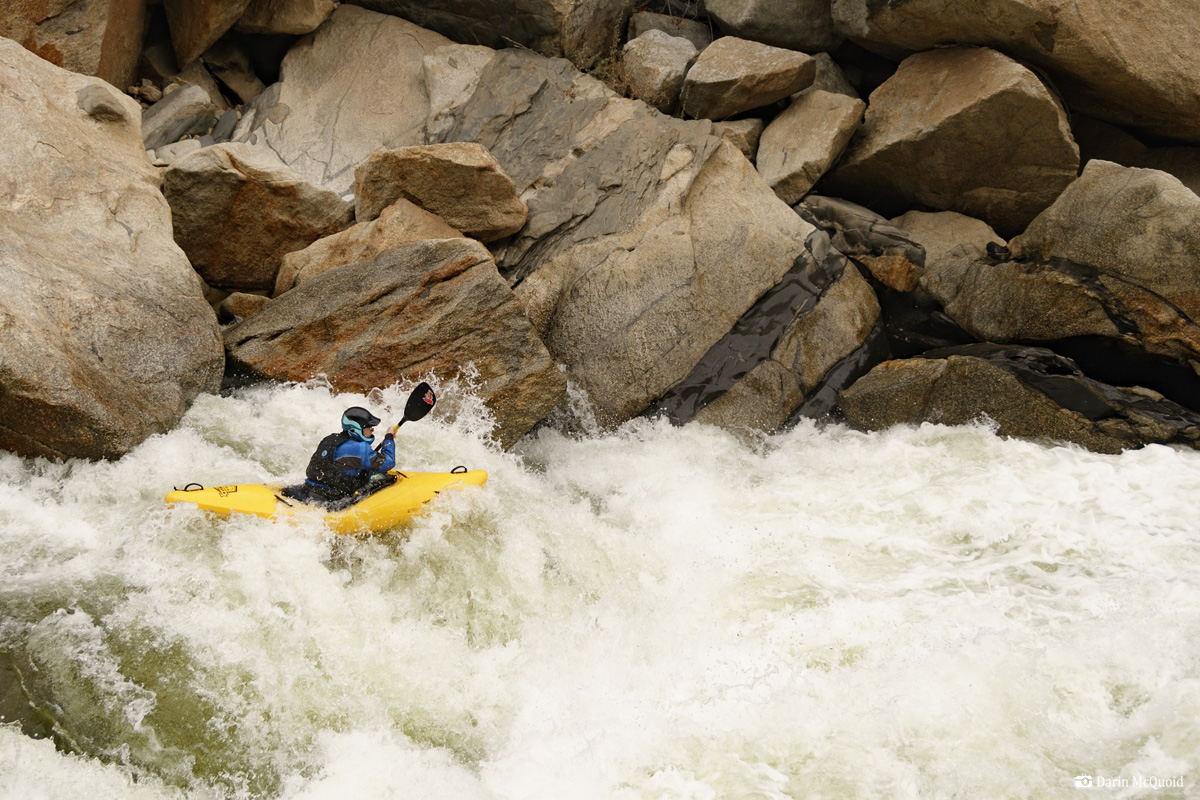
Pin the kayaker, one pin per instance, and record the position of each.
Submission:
(345, 466)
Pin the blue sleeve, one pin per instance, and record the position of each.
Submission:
(388, 451)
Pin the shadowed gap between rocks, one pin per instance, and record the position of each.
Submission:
(755, 335)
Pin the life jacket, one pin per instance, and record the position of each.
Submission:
(323, 470)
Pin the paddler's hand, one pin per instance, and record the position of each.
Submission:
(392, 433)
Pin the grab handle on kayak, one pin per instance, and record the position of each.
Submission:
(188, 488)
(458, 470)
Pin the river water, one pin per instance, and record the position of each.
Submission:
(657, 612)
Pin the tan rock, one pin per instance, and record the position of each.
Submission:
(947, 236)
(733, 75)
(426, 307)
(400, 223)
(197, 24)
(102, 38)
(107, 335)
(1026, 392)
(653, 66)
(805, 140)
(960, 129)
(238, 210)
(1131, 63)
(460, 182)
(328, 118)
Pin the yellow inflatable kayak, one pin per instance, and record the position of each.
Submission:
(386, 508)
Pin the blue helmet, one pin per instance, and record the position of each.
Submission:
(355, 419)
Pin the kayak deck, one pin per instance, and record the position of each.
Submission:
(386, 508)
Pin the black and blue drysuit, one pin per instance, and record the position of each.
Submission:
(345, 464)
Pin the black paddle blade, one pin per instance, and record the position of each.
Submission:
(420, 403)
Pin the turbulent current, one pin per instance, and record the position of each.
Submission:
(659, 612)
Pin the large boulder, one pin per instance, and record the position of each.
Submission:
(647, 238)
(1026, 392)
(733, 75)
(108, 337)
(460, 182)
(584, 31)
(1114, 257)
(960, 129)
(327, 117)
(92, 37)
(1132, 63)
(239, 210)
(805, 140)
(197, 24)
(400, 223)
(804, 25)
(426, 307)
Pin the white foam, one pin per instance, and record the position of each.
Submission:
(657, 612)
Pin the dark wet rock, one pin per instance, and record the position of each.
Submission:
(960, 129)
(647, 237)
(1027, 392)
(781, 351)
(425, 307)
(1129, 64)
(584, 31)
(107, 336)
(891, 254)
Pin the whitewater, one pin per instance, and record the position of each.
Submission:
(656, 612)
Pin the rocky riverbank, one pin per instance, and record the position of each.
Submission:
(737, 213)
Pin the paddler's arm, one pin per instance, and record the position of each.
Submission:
(385, 455)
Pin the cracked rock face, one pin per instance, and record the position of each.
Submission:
(355, 85)
(431, 306)
(647, 238)
(1027, 392)
(107, 336)
(961, 129)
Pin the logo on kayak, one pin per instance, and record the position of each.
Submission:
(225, 491)
(428, 398)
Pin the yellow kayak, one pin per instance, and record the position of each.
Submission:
(386, 508)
